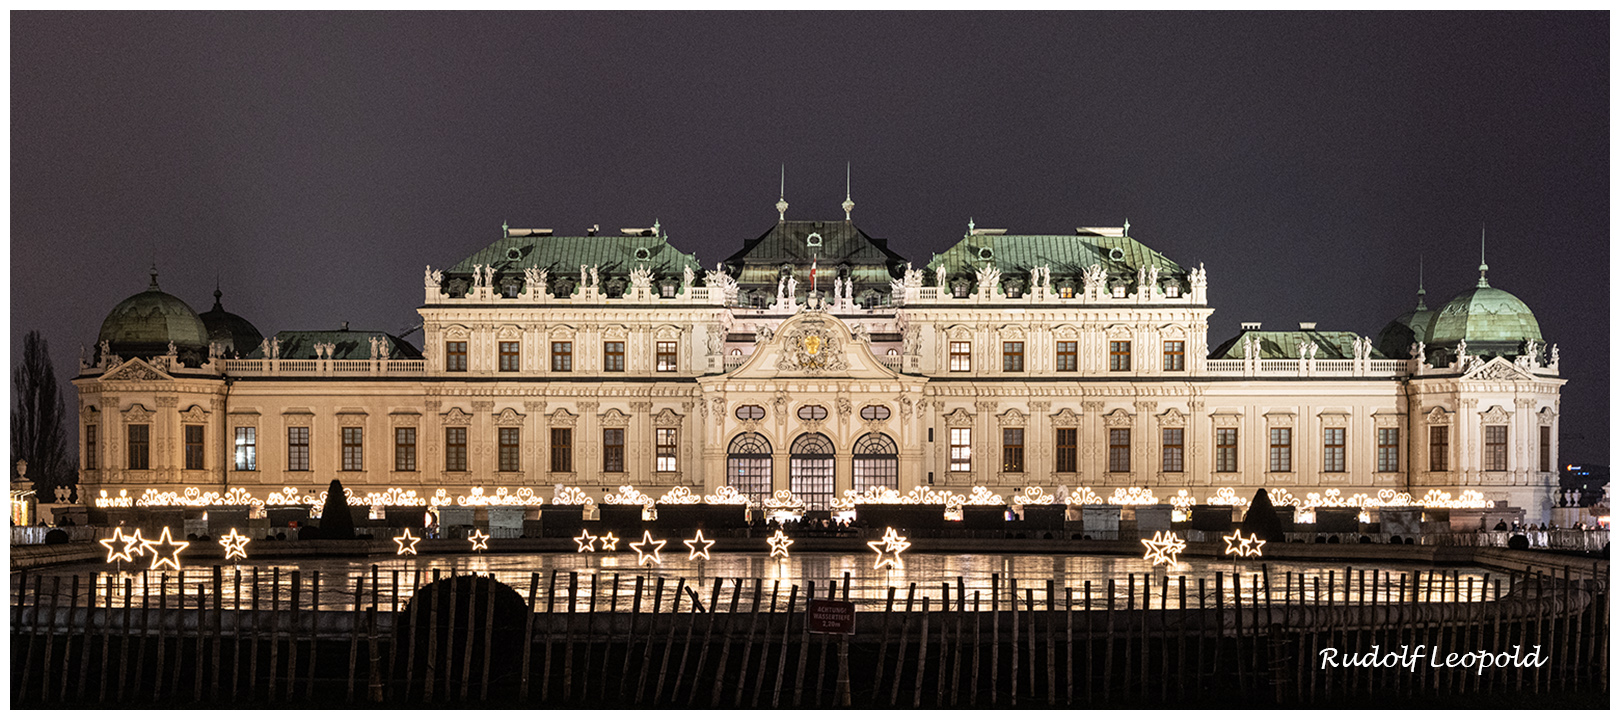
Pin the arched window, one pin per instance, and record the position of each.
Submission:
(748, 466)
(877, 462)
(810, 470)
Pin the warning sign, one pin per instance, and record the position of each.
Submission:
(831, 617)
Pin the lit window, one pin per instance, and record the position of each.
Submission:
(666, 449)
(961, 360)
(247, 457)
(961, 449)
(666, 356)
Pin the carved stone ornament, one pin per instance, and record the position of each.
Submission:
(1172, 332)
(1012, 332)
(194, 415)
(1120, 417)
(1495, 416)
(135, 370)
(562, 332)
(483, 405)
(667, 332)
(89, 413)
(1172, 418)
(1065, 332)
(508, 417)
(1226, 420)
(563, 418)
(401, 419)
(457, 332)
(1065, 418)
(1040, 406)
(1279, 419)
(959, 332)
(1546, 416)
(1335, 419)
(666, 418)
(615, 332)
(137, 413)
(958, 418)
(985, 406)
(168, 401)
(509, 332)
(1011, 418)
(813, 349)
(1119, 332)
(613, 418)
(1386, 420)
(1092, 406)
(456, 416)
(1439, 416)
(1498, 369)
(535, 406)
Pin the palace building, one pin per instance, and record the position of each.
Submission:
(1076, 360)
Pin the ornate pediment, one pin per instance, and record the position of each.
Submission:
(1439, 416)
(457, 332)
(1172, 418)
(404, 419)
(1172, 332)
(812, 348)
(615, 332)
(89, 413)
(1386, 419)
(667, 332)
(135, 369)
(1496, 415)
(614, 418)
(194, 415)
(1280, 419)
(1065, 332)
(508, 417)
(666, 418)
(1120, 417)
(1011, 418)
(1065, 418)
(562, 332)
(959, 332)
(509, 332)
(1546, 416)
(456, 416)
(959, 418)
(1497, 369)
(1226, 419)
(1012, 332)
(563, 418)
(137, 413)
(1334, 419)
(1119, 332)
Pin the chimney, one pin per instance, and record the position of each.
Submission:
(1251, 326)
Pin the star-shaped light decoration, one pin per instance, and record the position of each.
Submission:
(173, 560)
(610, 543)
(644, 556)
(697, 552)
(1163, 548)
(406, 543)
(779, 544)
(131, 546)
(586, 541)
(1240, 546)
(892, 542)
(235, 545)
(479, 540)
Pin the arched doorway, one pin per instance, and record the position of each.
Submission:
(877, 462)
(748, 467)
(810, 470)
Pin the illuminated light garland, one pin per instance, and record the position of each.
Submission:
(1084, 496)
(892, 542)
(586, 541)
(132, 546)
(784, 500)
(679, 495)
(643, 557)
(173, 560)
(1240, 546)
(627, 495)
(1226, 496)
(609, 543)
(981, 495)
(921, 495)
(1182, 506)
(1034, 495)
(726, 495)
(692, 546)
(406, 543)
(1133, 496)
(123, 500)
(235, 545)
(477, 498)
(570, 496)
(1163, 548)
(479, 540)
(779, 544)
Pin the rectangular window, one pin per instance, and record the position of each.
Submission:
(509, 357)
(404, 449)
(1067, 356)
(194, 448)
(1282, 450)
(613, 356)
(1012, 450)
(455, 356)
(961, 450)
(89, 447)
(353, 449)
(1439, 448)
(298, 449)
(1545, 448)
(455, 449)
(1225, 450)
(562, 357)
(507, 442)
(1389, 450)
(247, 455)
(1119, 355)
(562, 450)
(1171, 449)
(1119, 450)
(666, 449)
(1495, 448)
(961, 356)
(1333, 450)
(140, 442)
(1068, 450)
(1175, 355)
(666, 356)
(613, 450)
(1012, 357)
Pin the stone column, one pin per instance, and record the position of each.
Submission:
(987, 443)
(535, 460)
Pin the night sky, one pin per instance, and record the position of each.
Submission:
(314, 164)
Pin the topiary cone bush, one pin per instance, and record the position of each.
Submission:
(336, 522)
(1262, 518)
(437, 617)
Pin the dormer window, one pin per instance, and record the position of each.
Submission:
(1065, 292)
(1172, 290)
(1119, 291)
(813, 241)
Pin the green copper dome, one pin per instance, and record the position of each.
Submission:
(1491, 321)
(144, 324)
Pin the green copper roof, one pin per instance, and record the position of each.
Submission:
(349, 345)
(1284, 345)
(1396, 339)
(1067, 255)
(870, 261)
(614, 256)
(1485, 317)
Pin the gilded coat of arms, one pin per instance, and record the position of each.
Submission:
(811, 348)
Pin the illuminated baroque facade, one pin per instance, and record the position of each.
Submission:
(1078, 361)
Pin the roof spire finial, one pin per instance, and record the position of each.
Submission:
(848, 203)
(1421, 305)
(154, 284)
(1127, 227)
(781, 199)
(1482, 266)
(970, 225)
